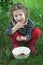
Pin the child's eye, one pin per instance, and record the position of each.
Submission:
(20, 14)
(15, 15)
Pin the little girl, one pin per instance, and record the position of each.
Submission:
(22, 28)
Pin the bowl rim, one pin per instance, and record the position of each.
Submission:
(20, 47)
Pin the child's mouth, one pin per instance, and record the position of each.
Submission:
(21, 21)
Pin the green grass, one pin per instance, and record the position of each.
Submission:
(36, 14)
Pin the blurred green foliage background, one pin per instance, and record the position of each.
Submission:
(36, 14)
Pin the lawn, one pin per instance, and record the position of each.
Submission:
(36, 14)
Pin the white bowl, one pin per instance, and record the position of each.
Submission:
(20, 50)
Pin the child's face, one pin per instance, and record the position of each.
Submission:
(19, 16)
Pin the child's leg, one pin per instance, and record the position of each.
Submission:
(35, 36)
(15, 43)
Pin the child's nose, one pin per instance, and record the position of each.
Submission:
(19, 18)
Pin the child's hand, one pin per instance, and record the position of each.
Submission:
(23, 38)
(20, 25)
(20, 38)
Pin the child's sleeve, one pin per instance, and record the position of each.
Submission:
(29, 30)
(8, 31)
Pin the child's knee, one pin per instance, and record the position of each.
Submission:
(36, 32)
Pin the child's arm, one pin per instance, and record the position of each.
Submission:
(13, 29)
(9, 30)
(29, 30)
(27, 37)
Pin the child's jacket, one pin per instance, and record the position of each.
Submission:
(26, 31)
